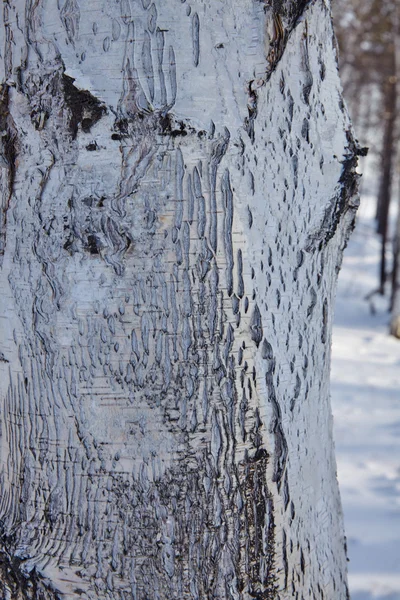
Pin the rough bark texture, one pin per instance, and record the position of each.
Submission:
(177, 187)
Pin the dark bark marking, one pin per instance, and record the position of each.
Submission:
(256, 329)
(250, 217)
(92, 146)
(240, 286)
(305, 130)
(85, 109)
(325, 313)
(228, 221)
(302, 562)
(106, 43)
(196, 38)
(93, 244)
(285, 559)
(313, 302)
(172, 127)
(252, 112)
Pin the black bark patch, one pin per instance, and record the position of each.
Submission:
(172, 127)
(256, 329)
(302, 562)
(92, 245)
(252, 110)
(85, 109)
(92, 147)
(324, 333)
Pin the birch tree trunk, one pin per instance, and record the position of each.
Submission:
(177, 185)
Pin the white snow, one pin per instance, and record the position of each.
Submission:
(366, 406)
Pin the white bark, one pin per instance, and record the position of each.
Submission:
(177, 188)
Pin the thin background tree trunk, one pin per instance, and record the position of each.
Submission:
(395, 297)
(387, 159)
(178, 184)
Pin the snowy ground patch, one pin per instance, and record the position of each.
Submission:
(365, 388)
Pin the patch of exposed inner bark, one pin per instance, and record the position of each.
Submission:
(85, 109)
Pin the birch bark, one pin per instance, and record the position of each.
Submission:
(177, 185)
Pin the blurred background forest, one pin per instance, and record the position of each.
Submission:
(368, 33)
(365, 380)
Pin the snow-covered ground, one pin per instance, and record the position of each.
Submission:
(366, 407)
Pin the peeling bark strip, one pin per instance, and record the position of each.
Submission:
(169, 253)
